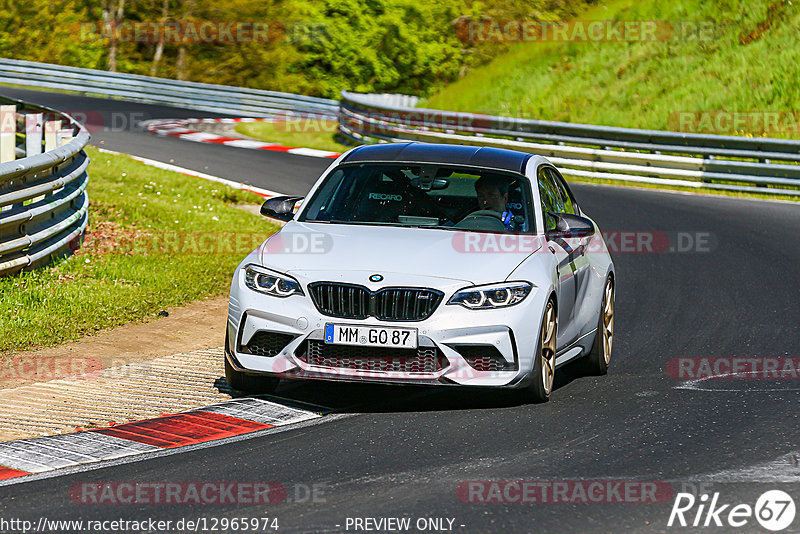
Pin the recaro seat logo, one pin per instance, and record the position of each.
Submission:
(385, 196)
(774, 510)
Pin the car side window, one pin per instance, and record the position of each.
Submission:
(551, 199)
(516, 207)
(566, 197)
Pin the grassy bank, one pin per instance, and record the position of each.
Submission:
(304, 133)
(742, 57)
(156, 239)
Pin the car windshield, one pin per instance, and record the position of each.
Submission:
(450, 197)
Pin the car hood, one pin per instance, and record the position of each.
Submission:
(350, 253)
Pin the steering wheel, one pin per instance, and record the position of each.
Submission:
(483, 220)
(485, 213)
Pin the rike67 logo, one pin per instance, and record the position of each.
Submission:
(774, 510)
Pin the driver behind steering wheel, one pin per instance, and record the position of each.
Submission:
(492, 194)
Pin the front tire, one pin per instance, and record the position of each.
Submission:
(544, 362)
(249, 383)
(599, 358)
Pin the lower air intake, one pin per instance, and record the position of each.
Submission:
(423, 360)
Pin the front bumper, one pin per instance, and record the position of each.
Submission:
(457, 336)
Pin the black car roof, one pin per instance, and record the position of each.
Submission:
(492, 158)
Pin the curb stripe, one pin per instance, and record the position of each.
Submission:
(37, 455)
(7, 473)
(245, 143)
(183, 429)
(235, 418)
(222, 140)
(178, 129)
(276, 148)
(261, 411)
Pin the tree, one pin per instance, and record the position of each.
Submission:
(160, 46)
(112, 16)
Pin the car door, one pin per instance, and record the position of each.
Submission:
(580, 261)
(562, 251)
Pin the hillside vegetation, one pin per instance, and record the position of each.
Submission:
(748, 62)
(315, 47)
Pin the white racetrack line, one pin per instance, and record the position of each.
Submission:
(266, 193)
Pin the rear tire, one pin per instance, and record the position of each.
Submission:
(598, 359)
(544, 362)
(249, 383)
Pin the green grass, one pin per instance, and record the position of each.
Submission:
(304, 133)
(147, 248)
(645, 84)
(750, 62)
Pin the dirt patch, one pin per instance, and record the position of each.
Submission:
(106, 237)
(200, 325)
(254, 209)
(762, 27)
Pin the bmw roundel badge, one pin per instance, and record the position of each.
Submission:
(375, 278)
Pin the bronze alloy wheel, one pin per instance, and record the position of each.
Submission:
(547, 349)
(607, 321)
(543, 374)
(596, 362)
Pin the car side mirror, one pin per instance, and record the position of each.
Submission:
(281, 208)
(569, 225)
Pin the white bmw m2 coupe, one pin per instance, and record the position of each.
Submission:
(412, 263)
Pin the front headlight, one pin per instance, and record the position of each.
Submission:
(271, 283)
(492, 296)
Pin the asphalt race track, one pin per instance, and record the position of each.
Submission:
(113, 125)
(403, 452)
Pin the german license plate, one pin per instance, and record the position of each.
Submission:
(371, 336)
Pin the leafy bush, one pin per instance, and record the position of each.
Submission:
(316, 47)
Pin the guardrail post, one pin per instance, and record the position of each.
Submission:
(33, 133)
(51, 129)
(64, 136)
(8, 133)
(43, 210)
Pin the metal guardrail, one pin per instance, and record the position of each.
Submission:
(760, 165)
(587, 151)
(192, 95)
(43, 198)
